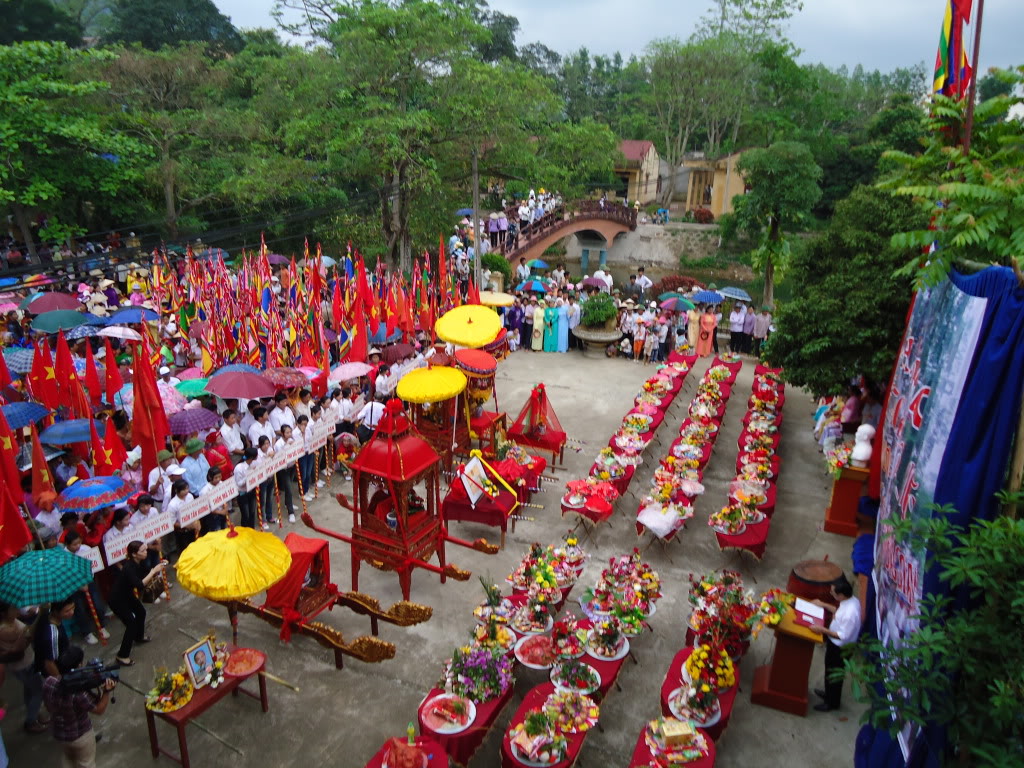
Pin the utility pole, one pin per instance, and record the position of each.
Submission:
(972, 90)
(477, 269)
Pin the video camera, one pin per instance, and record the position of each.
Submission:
(89, 677)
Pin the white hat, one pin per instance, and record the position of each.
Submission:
(175, 469)
(654, 304)
(164, 370)
(106, 283)
(373, 351)
(135, 454)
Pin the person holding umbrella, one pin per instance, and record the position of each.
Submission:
(124, 603)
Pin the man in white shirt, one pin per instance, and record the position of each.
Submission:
(368, 417)
(231, 434)
(843, 630)
(166, 378)
(343, 408)
(649, 312)
(261, 427)
(301, 408)
(736, 318)
(248, 419)
(158, 483)
(522, 271)
(599, 274)
(281, 414)
(644, 282)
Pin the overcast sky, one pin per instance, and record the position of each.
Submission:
(880, 34)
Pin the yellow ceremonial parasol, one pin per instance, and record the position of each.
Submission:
(468, 326)
(496, 299)
(233, 565)
(431, 385)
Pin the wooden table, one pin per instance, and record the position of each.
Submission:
(782, 683)
(202, 700)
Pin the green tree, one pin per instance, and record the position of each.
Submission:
(155, 23)
(55, 149)
(90, 15)
(783, 181)
(957, 670)
(22, 20)
(757, 21)
(981, 218)
(837, 277)
(992, 84)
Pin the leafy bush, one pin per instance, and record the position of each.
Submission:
(598, 310)
(498, 263)
(680, 283)
(703, 216)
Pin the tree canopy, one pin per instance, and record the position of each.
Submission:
(155, 23)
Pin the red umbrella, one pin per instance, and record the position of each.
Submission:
(396, 352)
(285, 378)
(240, 384)
(51, 302)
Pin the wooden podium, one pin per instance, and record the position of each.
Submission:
(782, 683)
(841, 513)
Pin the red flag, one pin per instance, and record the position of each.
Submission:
(92, 378)
(337, 306)
(473, 294)
(114, 381)
(42, 378)
(442, 268)
(42, 480)
(113, 448)
(100, 460)
(366, 296)
(149, 422)
(8, 466)
(5, 375)
(357, 352)
(391, 313)
(64, 366)
(15, 534)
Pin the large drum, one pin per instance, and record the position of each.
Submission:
(813, 579)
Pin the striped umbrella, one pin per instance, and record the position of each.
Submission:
(43, 576)
(20, 415)
(93, 493)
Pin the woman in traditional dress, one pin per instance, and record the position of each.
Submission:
(551, 328)
(563, 326)
(707, 332)
(693, 327)
(537, 344)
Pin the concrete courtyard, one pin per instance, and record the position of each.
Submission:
(341, 717)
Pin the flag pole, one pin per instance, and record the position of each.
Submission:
(972, 88)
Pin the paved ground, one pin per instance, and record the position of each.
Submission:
(340, 718)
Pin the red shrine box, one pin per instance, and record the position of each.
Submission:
(841, 513)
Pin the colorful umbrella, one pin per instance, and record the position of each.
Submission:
(496, 299)
(671, 295)
(81, 332)
(38, 280)
(677, 304)
(43, 576)
(8, 306)
(533, 285)
(233, 564)
(94, 493)
(33, 295)
(65, 432)
(51, 302)
(133, 315)
(593, 282)
(61, 319)
(236, 368)
(170, 398)
(537, 264)
(468, 326)
(20, 415)
(431, 385)
(396, 352)
(192, 420)
(286, 378)
(120, 332)
(278, 259)
(18, 359)
(240, 384)
(190, 373)
(344, 372)
(707, 297)
(192, 387)
(735, 293)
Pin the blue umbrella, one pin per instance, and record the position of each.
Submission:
(91, 319)
(93, 493)
(18, 359)
(464, 212)
(532, 285)
(735, 293)
(239, 367)
(132, 315)
(378, 337)
(327, 261)
(64, 432)
(20, 415)
(81, 332)
(707, 297)
(7, 282)
(537, 264)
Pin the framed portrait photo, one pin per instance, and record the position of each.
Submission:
(199, 660)
(473, 479)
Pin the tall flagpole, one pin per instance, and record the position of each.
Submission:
(972, 89)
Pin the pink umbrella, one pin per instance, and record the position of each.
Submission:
(171, 399)
(349, 371)
(190, 373)
(51, 302)
(8, 306)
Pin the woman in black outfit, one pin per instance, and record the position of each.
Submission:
(124, 599)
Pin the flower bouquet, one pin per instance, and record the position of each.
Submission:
(572, 675)
(657, 386)
(698, 702)
(494, 604)
(729, 357)
(647, 398)
(171, 690)
(572, 712)
(494, 635)
(537, 740)
(568, 638)
(630, 617)
(758, 442)
(707, 665)
(770, 609)
(606, 640)
(629, 439)
(571, 551)
(728, 520)
(646, 409)
(718, 373)
(478, 674)
(637, 422)
(838, 459)
(534, 616)
(713, 588)
(665, 478)
(599, 599)
(647, 586)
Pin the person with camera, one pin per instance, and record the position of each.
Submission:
(70, 707)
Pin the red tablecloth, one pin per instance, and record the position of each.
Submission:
(762, 368)
(754, 539)
(621, 483)
(642, 757)
(462, 746)
(593, 514)
(608, 670)
(673, 680)
(775, 463)
(438, 757)
(533, 700)
(705, 457)
(679, 357)
(493, 512)
(656, 418)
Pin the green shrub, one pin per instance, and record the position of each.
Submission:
(498, 263)
(597, 310)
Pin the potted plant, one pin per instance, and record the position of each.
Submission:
(597, 324)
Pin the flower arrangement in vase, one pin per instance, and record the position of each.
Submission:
(770, 609)
(710, 665)
(478, 674)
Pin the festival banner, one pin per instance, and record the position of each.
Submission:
(259, 472)
(194, 510)
(222, 494)
(946, 439)
(321, 434)
(294, 452)
(94, 556)
(151, 529)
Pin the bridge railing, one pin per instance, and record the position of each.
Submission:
(562, 216)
